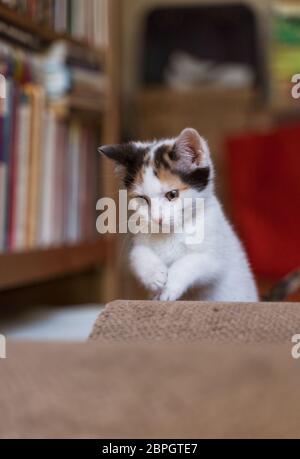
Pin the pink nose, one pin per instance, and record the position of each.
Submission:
(158, 221)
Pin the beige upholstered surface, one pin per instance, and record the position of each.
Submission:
(160, 370)
(129, 321)
(106, 390)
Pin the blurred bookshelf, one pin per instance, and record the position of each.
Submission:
(43, 33)
(66, 106)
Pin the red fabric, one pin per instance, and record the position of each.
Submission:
(264, 181)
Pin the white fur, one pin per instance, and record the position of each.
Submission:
(169, 267)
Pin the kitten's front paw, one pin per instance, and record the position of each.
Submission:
(170, 293)
(157, 278)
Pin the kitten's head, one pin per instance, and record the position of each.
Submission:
(163, 173)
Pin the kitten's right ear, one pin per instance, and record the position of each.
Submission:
(121, 154)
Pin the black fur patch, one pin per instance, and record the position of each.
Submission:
(197, 179)
(122, 154)
(173, 154)
(130, 156)
(133, 167)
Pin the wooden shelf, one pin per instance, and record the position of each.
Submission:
(23, 268)
(45, 34)
(75, 107)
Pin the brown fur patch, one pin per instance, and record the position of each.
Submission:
(172, 180)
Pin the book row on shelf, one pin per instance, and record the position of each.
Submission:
(84, 20)
(49, 170)
(49, 166)
(59, 69)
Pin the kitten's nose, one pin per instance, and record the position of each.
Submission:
(158, 221)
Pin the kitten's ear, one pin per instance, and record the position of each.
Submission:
(121, 154)
(190, 146)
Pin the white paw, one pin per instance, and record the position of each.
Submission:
(157, 278)
(170, 293)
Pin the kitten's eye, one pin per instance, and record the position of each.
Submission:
(145, 198)
(171, 195)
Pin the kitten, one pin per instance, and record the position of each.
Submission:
(163, 173)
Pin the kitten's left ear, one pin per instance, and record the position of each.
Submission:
(122, 154)
(191, 147)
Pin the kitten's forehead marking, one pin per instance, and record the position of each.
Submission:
(155, 176)
(161, 143)
(150, 185)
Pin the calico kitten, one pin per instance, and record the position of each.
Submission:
(163, 173)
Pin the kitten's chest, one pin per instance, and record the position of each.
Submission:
(169, 249)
